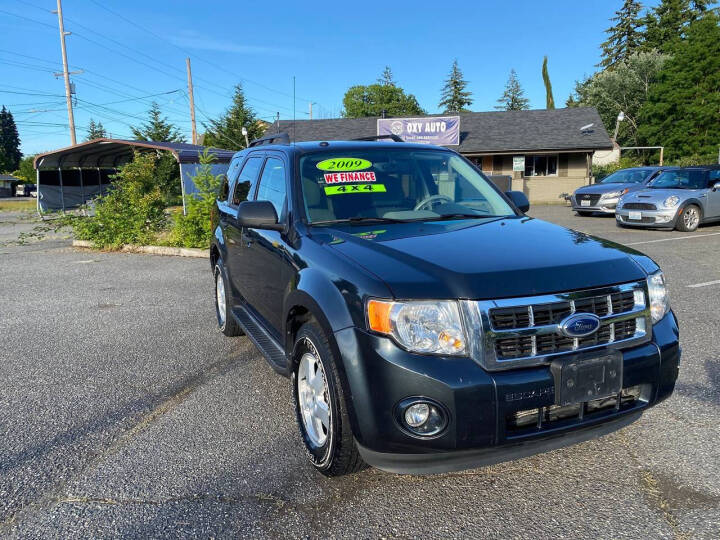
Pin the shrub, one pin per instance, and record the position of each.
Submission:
(193, 228)
(131, 213)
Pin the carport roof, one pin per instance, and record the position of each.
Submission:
(481, 132)
(111, 153)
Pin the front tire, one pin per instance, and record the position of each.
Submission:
(223, 305)
(320, 405)
(689, 219)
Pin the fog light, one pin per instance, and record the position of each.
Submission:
(416, 415)
(421, 417)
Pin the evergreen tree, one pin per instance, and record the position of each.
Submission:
(624, 36)
(226, 131)
(513, 98)
(95, 131)
(549, 100)
(454, 97)
(10, 154)
(682, 112)
(386, 79)
(157, 128)
(665, 24)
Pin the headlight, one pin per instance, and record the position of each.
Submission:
(614, 194)
(422, 326)
(659, 301)
(672, 201)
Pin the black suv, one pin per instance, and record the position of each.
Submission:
(426, 323)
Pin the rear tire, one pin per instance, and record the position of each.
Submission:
(583, 214)
(688, 219)
(223, 302)
(320, 405)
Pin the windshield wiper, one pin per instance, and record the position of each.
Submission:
(461, 215)
(361, 219)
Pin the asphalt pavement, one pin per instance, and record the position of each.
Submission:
(125, 413)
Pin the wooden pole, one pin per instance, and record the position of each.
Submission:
(66, 75)
(192, 101)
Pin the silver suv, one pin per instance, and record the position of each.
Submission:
(679, 199)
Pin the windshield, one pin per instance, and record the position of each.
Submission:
(395, 184)
(682, 179)
(627, 176)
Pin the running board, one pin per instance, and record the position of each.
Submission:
(265, 343)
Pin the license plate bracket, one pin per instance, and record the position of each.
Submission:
(585, 377)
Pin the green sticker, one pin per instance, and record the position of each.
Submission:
(355, 188)
(344, 164)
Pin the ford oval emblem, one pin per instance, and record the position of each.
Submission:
(579, 325)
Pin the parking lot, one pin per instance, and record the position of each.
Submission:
(124, 412)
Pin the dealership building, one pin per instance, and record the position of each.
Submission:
(544, 153)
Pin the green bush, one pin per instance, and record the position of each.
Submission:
(193, 228)
(131, 213)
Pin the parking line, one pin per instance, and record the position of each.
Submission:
(716, 282)
(671, 239)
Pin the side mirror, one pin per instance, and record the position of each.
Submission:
(258, 215)
(519, 199)
(716, 186)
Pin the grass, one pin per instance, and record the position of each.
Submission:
(17, 206)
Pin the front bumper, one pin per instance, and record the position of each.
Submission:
(606, 206)
(664, 218)
(479, 403)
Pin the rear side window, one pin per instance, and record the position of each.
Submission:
(224, 191)
(272, 184)
(247, 178)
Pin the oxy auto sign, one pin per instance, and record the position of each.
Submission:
(440, 130)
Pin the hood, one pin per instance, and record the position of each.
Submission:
(486, 259)
(655, 196)
(607, 188)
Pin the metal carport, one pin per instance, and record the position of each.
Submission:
(69, 177)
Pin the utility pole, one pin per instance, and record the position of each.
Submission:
(192, 101)
(66, 75)
(311, 104)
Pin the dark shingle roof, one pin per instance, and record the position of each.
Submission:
(480, 132)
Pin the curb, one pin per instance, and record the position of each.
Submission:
(154, 250)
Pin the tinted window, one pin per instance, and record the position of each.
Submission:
(714, 176)
(272, 184)
(681, 179)
(247, 178)
(395, 184)
(224, 189)
(628, 176)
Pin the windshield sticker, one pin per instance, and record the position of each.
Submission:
(341, 178)
(344, 164)
(357, 188)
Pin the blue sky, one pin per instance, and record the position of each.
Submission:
(140, 51)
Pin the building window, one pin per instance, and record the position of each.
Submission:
(541, 165)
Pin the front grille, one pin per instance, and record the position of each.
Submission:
(639, 206)
(644, 219)
(519, 316)
(589, 197)
(526, 331)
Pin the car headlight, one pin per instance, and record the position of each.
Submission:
(659, 301)
(614, 194)
(420, 326)
(671, 202)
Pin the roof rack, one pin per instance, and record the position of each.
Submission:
(379, 137)
(269, 139)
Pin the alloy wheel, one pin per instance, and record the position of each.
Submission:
(691, 218)
(220, 295)
(313, 399)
